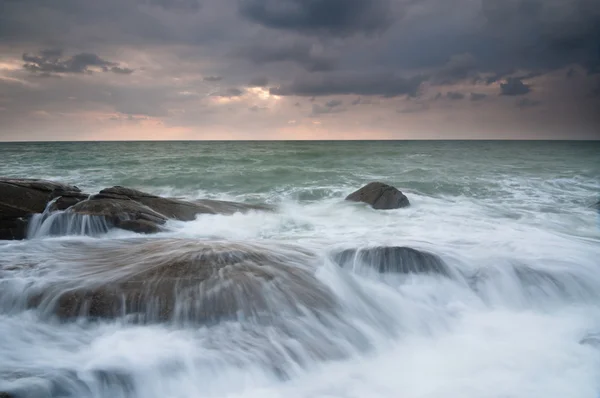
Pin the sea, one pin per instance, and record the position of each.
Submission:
(516, 223)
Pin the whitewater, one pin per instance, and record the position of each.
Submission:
(515, 312)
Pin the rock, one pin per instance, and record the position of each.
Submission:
(21, 198)
(120, 213)
(380, 196)
(119, 207)
(67, 200)
(182, 280)
(175, 208)
(13, 228)
(394, 259)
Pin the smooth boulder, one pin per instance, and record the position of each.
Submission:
(141, 212)
(176, 208)
(125, 214)
(21, 198)
(394, 259)
(181, 280)
(380, 196)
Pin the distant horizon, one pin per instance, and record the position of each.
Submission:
(329, 140)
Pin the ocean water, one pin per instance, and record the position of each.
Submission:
(518, 314)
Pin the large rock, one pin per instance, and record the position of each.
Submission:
(21, 198)
(175, 208)
(181, 280)
(119, 213)
(395, 259)
(133, 210)
(380, 196)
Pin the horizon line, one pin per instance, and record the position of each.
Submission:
(300, 140)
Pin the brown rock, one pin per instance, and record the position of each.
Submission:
(13, 229)
(21, 198)
(119, 213)
(380, 196)
(183, 280)
(175, 208)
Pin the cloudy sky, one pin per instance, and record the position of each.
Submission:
(299, 69)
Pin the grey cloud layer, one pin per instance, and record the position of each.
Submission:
(474, 52)
(53, 62)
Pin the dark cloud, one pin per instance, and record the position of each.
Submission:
(544, 34)
(258, 82)
(458, 67)
(213, 78)
(333, 17)
(514, 86)
(477, 96)
(181, 5)
(454, 95)
(527, 103)
(306, 54)
(308, 48)
(379, 84)
(53, 61)
(332, 106)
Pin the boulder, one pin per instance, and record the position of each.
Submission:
(380, 196)
(21, 198)
(181, 280)
(13, 228)
(394, 259)
(120, 213)
(175, 208)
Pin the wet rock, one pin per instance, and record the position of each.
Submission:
(21, 198)
(67, 200)
(175, 208)
(119, 213)
(13, 228)
(380, 196)
(394, 259)
(183, 280)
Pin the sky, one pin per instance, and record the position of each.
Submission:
(299, 69)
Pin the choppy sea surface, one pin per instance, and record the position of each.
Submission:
(514, 222)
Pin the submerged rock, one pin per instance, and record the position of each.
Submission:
(380, 196)
(21, 198)
(182, 280)
(395, 259)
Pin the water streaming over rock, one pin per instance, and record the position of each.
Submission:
(488, 285)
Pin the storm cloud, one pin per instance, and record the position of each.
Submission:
(53, 61)
(378, 84)
(334, 17)
(197, 66)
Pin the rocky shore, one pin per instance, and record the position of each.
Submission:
(133, 210)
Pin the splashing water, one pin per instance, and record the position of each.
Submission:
(491, 288)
